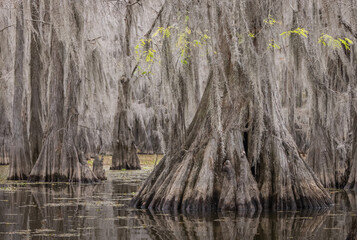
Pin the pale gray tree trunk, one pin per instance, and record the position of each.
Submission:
(98, 168)
(332, 77)
(7, 47)
(352, 179)
(124, 148)
(59, 158)
(211, 169)
(20, 163)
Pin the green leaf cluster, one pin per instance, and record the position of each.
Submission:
(299, 31)
(185, 45)
(165, 32)
(273, 45)
(251, 35)
(330, 41)
(270, 20)
(145, 51)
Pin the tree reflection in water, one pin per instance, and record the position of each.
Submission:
(79, 211)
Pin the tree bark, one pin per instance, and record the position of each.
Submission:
(36, 68)
(4, 151)
(332, 80)
(211, 170)
(59, 159)
(196, 179)
(352, 179)
(98, 168)
(124, 149)
(6, 76)
(20, 164)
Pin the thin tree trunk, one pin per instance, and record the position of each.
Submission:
(124, 148)
(36, 68)
(98, 168)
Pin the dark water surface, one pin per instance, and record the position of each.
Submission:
(80, 211)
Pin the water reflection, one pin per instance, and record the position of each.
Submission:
(79, 211)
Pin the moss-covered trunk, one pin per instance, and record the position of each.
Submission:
(237, 153)
(124, 148)
(352, 179)
(59, 158)
(20, 164)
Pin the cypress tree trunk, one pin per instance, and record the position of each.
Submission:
(36, 69)
(4, 151)
(59, 159)
(98, 168)
(20, 164)
(197, 178)
(212, 169)
(67, 73)
(333, 82)
(124, 148)
(352, 179)
(5, 130)
(320, 155)
(7, 34)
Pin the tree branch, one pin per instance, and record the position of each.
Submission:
(7, 27)
(348, 27)
(32, 20)
(156, 19)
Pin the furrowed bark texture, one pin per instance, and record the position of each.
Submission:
(237, 153)
(7, 49)
(98, 168)
(352, 179)
(333, 82)
(59, 159)
(20, 164)
(98, 41)
(124, 148)
(68, 53)
(137, 122)
(36, 73)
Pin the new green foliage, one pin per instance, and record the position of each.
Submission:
(270, 20)
(330, 41)
(146, 53)
(299, 31)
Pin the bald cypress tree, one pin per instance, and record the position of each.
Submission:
(237, 153)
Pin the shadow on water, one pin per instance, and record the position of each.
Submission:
(80, 211)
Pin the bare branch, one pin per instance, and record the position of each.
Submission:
(7, 27)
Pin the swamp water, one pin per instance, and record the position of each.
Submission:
(100, 211)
